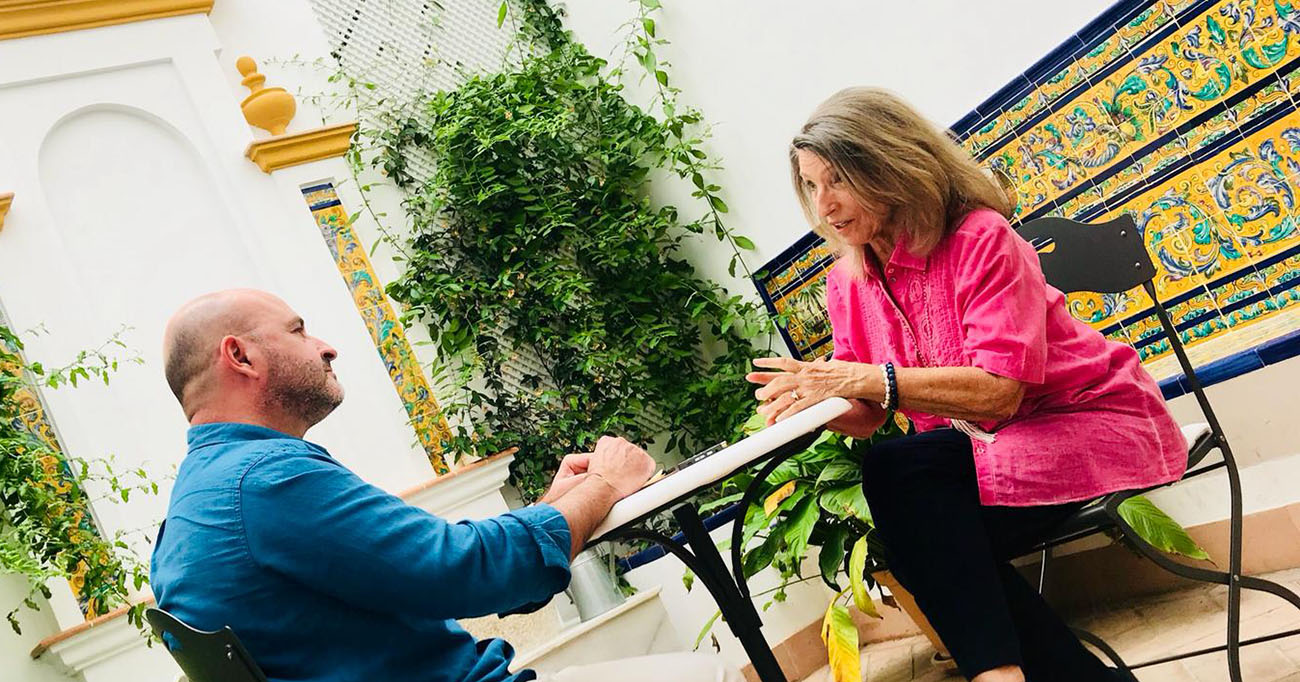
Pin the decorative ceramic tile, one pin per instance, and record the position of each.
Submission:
(804, 308)
(1272, 95)
(1138, 29)
(389, 338)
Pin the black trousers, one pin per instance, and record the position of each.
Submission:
(953, 555)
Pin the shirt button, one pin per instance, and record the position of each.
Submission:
(893, 279)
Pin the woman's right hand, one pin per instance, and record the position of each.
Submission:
(861, 421)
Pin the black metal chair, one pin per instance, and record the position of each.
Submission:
(1112, 258)
(204, 656)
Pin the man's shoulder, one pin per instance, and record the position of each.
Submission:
(231, 463)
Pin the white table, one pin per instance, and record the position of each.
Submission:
(775, 444)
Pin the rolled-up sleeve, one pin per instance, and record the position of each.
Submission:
(311, 519)
(1001, 300)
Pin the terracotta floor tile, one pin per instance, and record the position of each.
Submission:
(1260, 663)
(1168, 672)
(1141, 630)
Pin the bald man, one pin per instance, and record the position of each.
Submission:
(327, 578)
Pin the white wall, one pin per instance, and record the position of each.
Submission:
(756, 69)
(15, 662)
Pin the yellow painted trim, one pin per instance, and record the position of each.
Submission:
(19, 18)
(6, 198)
(282, 151)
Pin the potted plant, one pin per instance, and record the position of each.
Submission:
(815, 499)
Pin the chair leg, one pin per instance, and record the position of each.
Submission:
(1042, 571)
(1232, 578)
(1090, 638)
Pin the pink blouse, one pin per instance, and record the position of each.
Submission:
(1092, 420)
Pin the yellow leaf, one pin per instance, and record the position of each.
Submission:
(901, 420)
(857, 566)
(840, 635)
(774, 500)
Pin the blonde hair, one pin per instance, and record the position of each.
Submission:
(892, 157)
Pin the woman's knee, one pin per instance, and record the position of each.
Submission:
(880, 466)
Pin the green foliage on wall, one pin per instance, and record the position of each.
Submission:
(45, 528)
(536, 249)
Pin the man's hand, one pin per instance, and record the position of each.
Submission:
(573, 469)
(588, 485)
(623, 465)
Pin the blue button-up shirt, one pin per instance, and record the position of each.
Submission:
(325, 577)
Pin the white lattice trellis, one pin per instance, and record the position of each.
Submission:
(408, 46)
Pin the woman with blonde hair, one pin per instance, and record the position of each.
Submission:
(1021, 413)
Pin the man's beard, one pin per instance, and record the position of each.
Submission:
(302, 388)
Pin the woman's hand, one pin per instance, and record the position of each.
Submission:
(798, 385)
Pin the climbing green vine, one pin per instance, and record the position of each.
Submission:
(46, 531)
(544, 272)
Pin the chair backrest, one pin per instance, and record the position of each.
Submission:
(1109, 258)
(205, 656)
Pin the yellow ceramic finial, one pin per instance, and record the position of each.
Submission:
(270, 109)
(6, 198)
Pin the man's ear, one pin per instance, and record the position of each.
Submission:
(235, 356)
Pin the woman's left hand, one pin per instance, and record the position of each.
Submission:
(798, 385)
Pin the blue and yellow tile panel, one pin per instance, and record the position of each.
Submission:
(1182, 114)
(389, 338)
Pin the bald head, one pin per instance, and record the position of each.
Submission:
(244, 355)
(193, 335)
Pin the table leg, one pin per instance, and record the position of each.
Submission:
(728, 588)
(736, 608)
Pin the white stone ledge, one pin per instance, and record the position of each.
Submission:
(637, 627)
(473, 491)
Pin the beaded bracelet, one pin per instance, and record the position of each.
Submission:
(891, 386)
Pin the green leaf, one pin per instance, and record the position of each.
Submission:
(723, 501)
(705, 630)
(501, 13)
(857, 579)
(847, 500)
(761, 557)
(800, 527)
(1158, 529)
(688, 579)
(649, 25)
(840, 470)
(832, 556)
(744, 242)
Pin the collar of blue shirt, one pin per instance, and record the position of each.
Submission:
(216, 433)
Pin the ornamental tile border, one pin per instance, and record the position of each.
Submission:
(381, 321)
